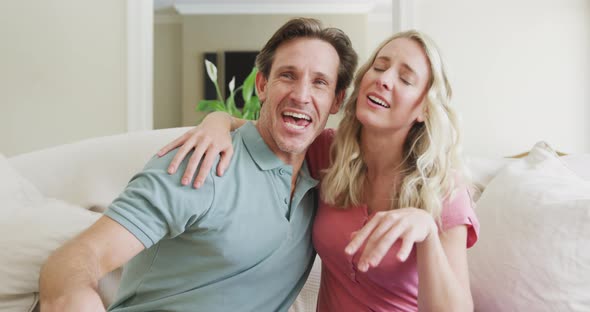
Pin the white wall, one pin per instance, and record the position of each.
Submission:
(167, 74)
(520, 70)
(62, 72)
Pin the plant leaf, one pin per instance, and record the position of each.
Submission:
(231, 104)
(251, 108)
(249, 85)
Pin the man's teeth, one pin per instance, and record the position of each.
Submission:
(377, 100)
(296, 115)
(294, 126)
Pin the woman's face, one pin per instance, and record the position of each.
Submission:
(392, 90)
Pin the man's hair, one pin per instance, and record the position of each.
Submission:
(313, 29)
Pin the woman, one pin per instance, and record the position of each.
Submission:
(394, 207)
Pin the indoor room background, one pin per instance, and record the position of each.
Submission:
(71, 70)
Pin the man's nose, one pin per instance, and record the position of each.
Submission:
(301, 93)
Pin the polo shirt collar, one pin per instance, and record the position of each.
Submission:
(265, 159)
(261, 153)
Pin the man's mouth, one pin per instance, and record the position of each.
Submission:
(378, 101)
(296, 120)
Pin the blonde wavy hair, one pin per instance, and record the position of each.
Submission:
(431, 152)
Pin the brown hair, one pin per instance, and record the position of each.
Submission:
(312, 28)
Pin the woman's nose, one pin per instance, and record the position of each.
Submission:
(385, 80)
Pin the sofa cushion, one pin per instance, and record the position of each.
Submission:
(532, 254)
(92, 172)
(31, 227)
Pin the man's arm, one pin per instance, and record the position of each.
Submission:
(69, 278)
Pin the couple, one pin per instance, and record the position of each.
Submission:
(392, 208)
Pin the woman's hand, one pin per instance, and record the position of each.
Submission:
(210, 138)
(411, 225)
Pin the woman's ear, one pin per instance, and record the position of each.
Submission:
(421, 116)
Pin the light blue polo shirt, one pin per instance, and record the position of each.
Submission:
(236, 244)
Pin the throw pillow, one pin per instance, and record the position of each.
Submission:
(532, 253)
(31, 227)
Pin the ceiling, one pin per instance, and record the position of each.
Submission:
(192, 7)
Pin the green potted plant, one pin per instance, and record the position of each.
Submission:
(251, 107)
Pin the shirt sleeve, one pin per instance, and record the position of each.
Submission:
(154, 205)
(458, 210)
(318, 154)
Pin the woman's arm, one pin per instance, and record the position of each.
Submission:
(443, 273)
(209, 138)
(442, 258)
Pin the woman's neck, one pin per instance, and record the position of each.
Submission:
(382, 153)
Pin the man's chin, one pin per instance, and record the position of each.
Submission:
(293, 148)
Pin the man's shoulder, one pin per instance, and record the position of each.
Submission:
(159, 165)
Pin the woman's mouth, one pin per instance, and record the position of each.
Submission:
(378, 101)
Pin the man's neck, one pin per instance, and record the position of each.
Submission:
(295, 160)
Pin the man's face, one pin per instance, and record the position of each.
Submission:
(298, 95)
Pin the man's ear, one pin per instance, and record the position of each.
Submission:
(338, 100)
(261, 82)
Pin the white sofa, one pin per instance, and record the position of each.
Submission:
(91, 173)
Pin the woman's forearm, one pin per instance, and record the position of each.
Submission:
(439, 288)
(223, 118)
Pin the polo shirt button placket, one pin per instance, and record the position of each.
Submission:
(352, 274)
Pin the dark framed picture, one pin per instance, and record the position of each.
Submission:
(229, 64)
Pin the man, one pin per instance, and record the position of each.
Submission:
(242, 243)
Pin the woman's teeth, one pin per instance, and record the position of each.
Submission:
(378, 101)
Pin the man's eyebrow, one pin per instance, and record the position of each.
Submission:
(323, 76)
(286, 67)
(316, 73)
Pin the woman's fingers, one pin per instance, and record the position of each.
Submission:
(406, 248)
(411, 225)
(380, 243)
(225, 159)
(205, 168)
(172, 145)
(360, 237)
(179, 157)
(193, 162)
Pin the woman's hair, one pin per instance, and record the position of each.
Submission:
(431, 152)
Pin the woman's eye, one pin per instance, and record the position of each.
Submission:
(406, 82)
(378, 69)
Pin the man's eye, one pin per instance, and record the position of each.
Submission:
(321, 82)
(286, 75)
